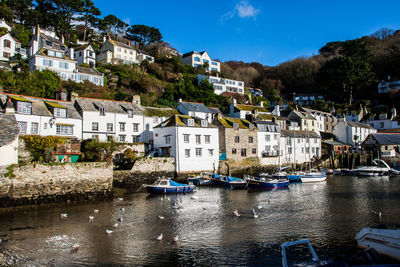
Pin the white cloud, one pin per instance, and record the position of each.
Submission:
(243, 9)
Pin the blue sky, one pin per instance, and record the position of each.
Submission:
(268, 32)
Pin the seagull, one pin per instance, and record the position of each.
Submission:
(204, 208)
(64, 215)
(109, 231)
(269, 200)
(120, 199)
(119, 219)
(159, 238)
(254, 214)
(236, 213)
(96, 211)
(194, 197)
(176, 238)
(122, 209)
(75, 247)
(91, 218)
(161, 217)
(115, 225)
(259, 207)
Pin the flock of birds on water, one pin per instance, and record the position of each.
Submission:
(175, 239)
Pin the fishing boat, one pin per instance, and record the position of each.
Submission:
(313, 176)
(314, 261)
(262, 183)
(168, 186)
(384, 241)
(228, 181)
(379, 168)
(203, 178)
(346, 172)
(295, 176)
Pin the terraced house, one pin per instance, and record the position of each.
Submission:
(196, 59)
(222, 85)
(192, 141)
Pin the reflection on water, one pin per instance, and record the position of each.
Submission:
(329, 214)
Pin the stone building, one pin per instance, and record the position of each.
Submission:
(8, 137)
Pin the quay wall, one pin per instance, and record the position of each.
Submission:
(35, 184)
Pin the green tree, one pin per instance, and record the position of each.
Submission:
(111, 24)
(21, 8)
(89, 15)
(44, 84)
(6, 12)
(143, 35)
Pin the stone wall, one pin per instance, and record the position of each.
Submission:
(49, 183)
(150, 165)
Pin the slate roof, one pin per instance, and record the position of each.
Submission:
(197, 107)
(51, 39)
(299, 134)
(215, 110)
(268, 126)
(179, 120)
(250, 108)
(387, 138)
(309, 110)
(228, 122)
(265, 117)
(41, 106)
(193, 52)
(117, 43)
(334, 143)
(81, 47)
(43, 52)
(303, 115)
(8, 129)
(86, 70)
(359, 124)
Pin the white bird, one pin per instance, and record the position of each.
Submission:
(380, 215)
(120, 219)
(269, 200)
(115, 225)
(122, 209)
(161, 217)
(120, 199)
(75, 246)
(91, 218)
(159, 238)
(254, 214)
(96, 211)
(109, 231)
(176, 238)
(194, 197)
(64, 215)
(236, 213)
(259, 207)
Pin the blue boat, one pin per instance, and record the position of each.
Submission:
(203, 178)
(295, 177)
(266, 184)
(168, 186)
(228, 181)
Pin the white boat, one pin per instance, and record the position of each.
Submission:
(380, 168)
(384, 241)
(313, 177)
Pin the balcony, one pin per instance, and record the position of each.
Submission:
(266, 154)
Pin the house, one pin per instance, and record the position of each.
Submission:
(196, 59)
(383, 120)
(268, 136)
(244, 111)
(337, 147)
(195, 109)
(222, 85)
(115, 52)
(85, 54)
(44, 117)
(192, 141)
(48, 52)
(306, 99)
(299, 146)
(3, 24)
(256, 92)
(9, 46)
(325, 121)
(356, 115)
(8, 137)
(306, 121)
(352, 133)
(386, 144)
(237, 138)
(386, 86)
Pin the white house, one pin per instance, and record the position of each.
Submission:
(8, 138)
(306, 99)
(114, 52)
(3, 24)
(243, 111)
(305, 120)
(195, 109)
(193, 142)
(222, 85)
(386, 86)
(383, 120)
(84, 54)
(9, 46)
(299, 146)
(40, 116)
(196, 59)
(352, 133)
(268, 137)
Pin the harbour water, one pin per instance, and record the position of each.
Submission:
(329, 214)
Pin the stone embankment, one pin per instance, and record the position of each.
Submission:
(31, 184)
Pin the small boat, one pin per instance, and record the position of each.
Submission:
(203, 178)
(327, 171)
(380, 168)
(168, 186)
(262, 183)
(295, 176)
(384, 241)
(337, 172)
(346, 172)
(228, 181)
(313, 177)
(314, 261)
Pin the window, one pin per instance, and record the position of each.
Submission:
(203, 123)
(207, 139)
(135, 127)
(130, 113)
(236, 126)
(254, 150)
(307, 150)
(95, 136)
(233, 150)
(34, 128)
(197, 59)
(308, 140)
(313, 150)
(110, 138)
(48, 43)
(237, 139)
(298, 140)
(251, 139)
(110, 127)
(190, 122)
(275, 137)
(7, 43)
(289, 150)
(198, 139)
(6, 55)
(102, 111)
(22, 127)
(267, 138)
(24, 107)
(243, 152)
(267, 148)
(315, 140)
(135, 138)
(211, 152)
(167, 139)
(64, 129)
(122, 126)
(187, 153)
(186, 138)
(47, 62)
(251, 127)
(214, 63)
(122, 137)
(63, 65)
(119, 49)
(60, 112)
(198, 152)
(45, 126)
(95, 126)
(302, 150)
(381, 124)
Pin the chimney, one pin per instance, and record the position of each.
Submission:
(62, 39)
(394, 112)
(261, 104)
(10, 107)
(74, 96)
(71, 53)
(61, 95)
(136, 100)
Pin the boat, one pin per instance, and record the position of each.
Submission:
(380, 168)
(337, 172)
(262, 183)
(313, 176)
(295, 176)
(228, 181)
(346, 172)
(314, 261)
(384, 241)
(168, 186)
(203, 178)
(327, 171)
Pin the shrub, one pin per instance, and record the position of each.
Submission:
(41, 147)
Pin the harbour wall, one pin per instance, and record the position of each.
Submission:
(36, 184)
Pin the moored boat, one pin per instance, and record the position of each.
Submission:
(266, 184)
(203, 178)
(295, 176)
(168, 186)
(380, 168)
(313, 177)
(228, 181)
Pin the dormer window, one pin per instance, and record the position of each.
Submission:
(190, 122)
(236, 126)
(251, 127)
(48, 43)
(60, 112)
(130, 113)
(203, 123)
(24, 107)
(102, 111)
